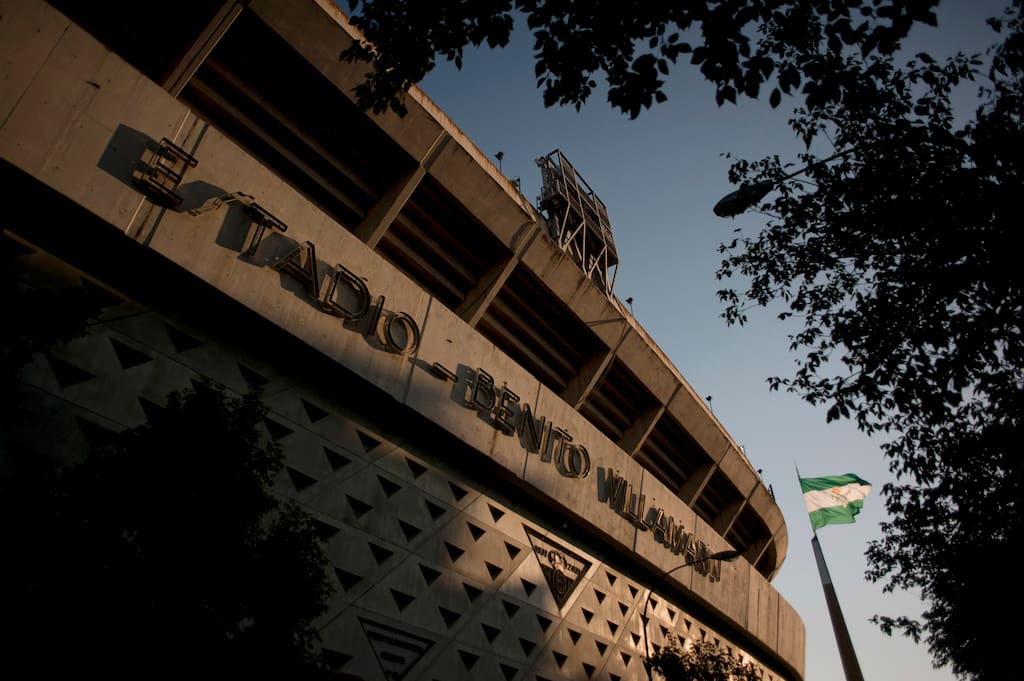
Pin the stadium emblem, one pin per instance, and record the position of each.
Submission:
(563, 570)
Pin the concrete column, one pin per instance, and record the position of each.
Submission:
(634, 438)
(583, 383)
(379, 218)
(756, 549)
(690, 490)
(482, 295)
(726, 518)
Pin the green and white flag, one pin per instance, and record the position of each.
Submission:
(834, 499)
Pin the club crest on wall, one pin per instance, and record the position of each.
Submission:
(563, 570)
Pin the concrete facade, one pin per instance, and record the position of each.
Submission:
(485, 518)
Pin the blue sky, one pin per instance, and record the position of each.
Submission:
(659, 176)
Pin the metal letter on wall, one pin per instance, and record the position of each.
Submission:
(405, 343)
(330, 303)
(164, 172)
(262, 219)
(301, 264)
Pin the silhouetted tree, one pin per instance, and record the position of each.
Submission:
(701, 661)
(164, 554)
(39, 314)
(895, 253)
(896, 260)
(739, 45)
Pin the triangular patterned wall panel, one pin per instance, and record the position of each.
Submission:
(417, 552)
(254, 380)
(378, 502)
(313, 412)
(527, 584)
(181, 341)
(397, 650)
(219, 364)
(474, 556)
(462, 661)
(97, 435)
(291, 403)
(427, 605)
(67, 373)
(453, 602)
(305, 452)
(592, 614)
(120, 375)
(484, 558)
(352, 550)
(381, 650)
(490, 628)
(102, 297)
(127, 355)
(146, 328)
(405, 466)
(90, 353)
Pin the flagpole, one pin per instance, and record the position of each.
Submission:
(849, 658)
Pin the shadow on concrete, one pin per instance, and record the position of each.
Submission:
(124, 156)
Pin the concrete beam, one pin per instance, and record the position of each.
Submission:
(203, 45)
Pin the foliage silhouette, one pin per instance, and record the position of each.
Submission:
(40, 314)
(165, 553)
(634, 44)
(895, 263)
(896, 257)
(701, 661)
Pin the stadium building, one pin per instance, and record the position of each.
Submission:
(507, 471)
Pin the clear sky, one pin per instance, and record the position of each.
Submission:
(659, 176)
